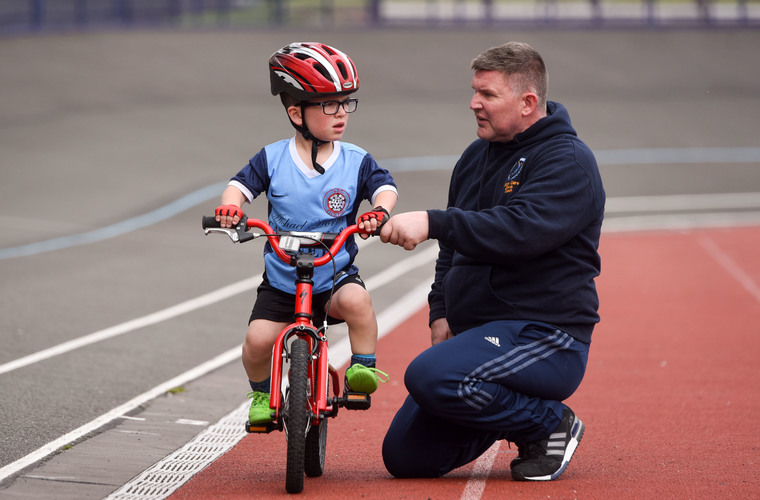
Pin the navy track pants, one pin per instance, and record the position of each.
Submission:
(501, 380)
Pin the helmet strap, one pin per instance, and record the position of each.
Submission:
(315, 143)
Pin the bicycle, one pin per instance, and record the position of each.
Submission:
(303, 410)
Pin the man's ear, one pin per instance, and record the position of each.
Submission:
(529, 103)
(294, 112)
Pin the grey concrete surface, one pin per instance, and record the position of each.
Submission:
(98, 128)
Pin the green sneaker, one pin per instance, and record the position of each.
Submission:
(260, 412)
(360, 378)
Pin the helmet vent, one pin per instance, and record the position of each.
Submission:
(323, 71)
(342, 68)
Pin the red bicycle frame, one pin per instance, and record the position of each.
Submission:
(303, 325)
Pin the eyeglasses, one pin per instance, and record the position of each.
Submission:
(332, 107)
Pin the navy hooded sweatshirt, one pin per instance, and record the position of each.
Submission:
(519, 239)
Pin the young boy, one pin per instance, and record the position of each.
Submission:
(313, 182)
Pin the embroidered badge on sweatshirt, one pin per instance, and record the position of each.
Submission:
(511, 183)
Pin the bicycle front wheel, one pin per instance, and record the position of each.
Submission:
(297, 417)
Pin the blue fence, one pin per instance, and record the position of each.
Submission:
(46, 15)
(25, 15)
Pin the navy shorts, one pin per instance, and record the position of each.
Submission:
(275, 305)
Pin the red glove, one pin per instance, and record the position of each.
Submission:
(378, 213)
(229, 211)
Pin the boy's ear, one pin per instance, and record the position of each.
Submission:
(294, 112)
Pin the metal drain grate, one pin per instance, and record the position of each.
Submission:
(164, 477)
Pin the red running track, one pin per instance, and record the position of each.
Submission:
(670, 400)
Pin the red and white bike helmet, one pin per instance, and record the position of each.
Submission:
(311, 70)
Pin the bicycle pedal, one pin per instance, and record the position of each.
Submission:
(357, 401)
(263, 428)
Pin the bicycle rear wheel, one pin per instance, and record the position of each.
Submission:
(316, 443)
(297, 418)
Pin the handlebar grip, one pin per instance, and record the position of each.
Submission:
(209, 221)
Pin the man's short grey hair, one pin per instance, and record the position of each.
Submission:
(521, 63)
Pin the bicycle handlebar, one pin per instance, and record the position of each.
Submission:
(240, 234)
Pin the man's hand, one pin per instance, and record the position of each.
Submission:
(440, 331)
(406, 230)
(228, 215)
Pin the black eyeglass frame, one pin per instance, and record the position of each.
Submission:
(346, 105)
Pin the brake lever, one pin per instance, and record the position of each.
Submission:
(238, 233)
(231, 232)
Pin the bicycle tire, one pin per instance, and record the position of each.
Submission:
(316, 444)
(297, 418)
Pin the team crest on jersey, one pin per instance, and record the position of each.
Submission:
(511, 183)
(336, 202)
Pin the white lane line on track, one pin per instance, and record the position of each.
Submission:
(676, 212)
(680, 221)
(128, 326)
(473, 490)
(117, 412)
(415, 260)
(631, 156)
(700, 202)
(177, 310)
(731, 266)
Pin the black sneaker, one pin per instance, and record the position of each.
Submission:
(522, 449)
(546, 459)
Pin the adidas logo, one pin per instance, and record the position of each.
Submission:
(493, 340)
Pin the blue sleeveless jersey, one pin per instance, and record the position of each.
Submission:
(300, 199)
